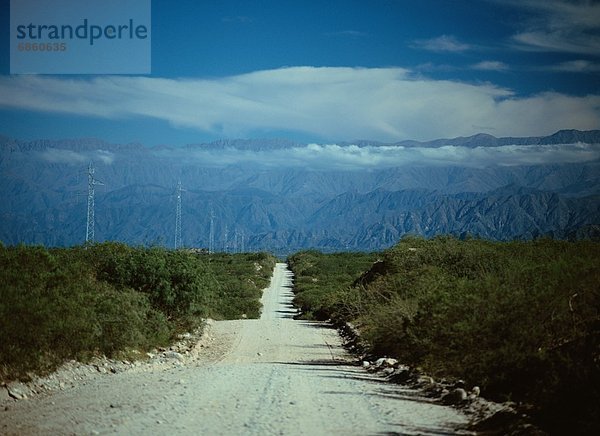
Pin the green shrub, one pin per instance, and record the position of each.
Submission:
(322, 279)
(241, 279)
(58, 304)
(520, 319)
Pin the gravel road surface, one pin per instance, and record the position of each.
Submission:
(272, 376)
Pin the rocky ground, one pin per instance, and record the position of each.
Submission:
(190, 348)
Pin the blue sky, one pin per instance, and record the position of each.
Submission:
(327, 71)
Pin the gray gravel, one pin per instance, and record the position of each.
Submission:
(269, 376)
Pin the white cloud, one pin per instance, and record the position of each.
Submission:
(444, 43)
(105, 156)
(352, 157)
(70, 157)
(563, 14)
(490, 66)
(386, 104)
(560, 26)
(558, 42)
(577, 66)
(57, 155)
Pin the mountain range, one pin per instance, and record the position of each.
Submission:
(282, 196)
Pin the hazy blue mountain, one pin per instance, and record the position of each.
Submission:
(263, 196)
(485, 140)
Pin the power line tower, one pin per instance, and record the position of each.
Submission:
(178, 239)
(238, 246)
(211, 236)
(225, 243)
(91, 224)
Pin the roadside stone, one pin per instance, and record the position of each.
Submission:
(401, 375)
(425, 380)
(388, 371)
(459, 384)
(173, 355)
(455, 397)
(17, 390)
(435, 390)
(385, 362)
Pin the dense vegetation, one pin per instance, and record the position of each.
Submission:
(321, 280)
(520, 319)
(109, 298)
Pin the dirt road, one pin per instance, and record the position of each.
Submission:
(269, 376)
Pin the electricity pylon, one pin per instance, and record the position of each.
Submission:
(90, 225)
(178, 239)
(211, 236)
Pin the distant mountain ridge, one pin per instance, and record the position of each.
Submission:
(485, 140)
(571, 136)
(43, 187)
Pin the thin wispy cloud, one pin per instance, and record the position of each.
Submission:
(560, 26)
(385, 104)
(105, 156)
(444, 43)
(70, 157)
(577, 66)
(490, 66)
(57, 155)
(558, 42)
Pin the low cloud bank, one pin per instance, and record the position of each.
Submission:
(70, 157)
(336, 157)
